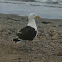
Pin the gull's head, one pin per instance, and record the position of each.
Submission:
(33, 16)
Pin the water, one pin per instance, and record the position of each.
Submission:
(52, 11)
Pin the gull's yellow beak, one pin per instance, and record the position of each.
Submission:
(37, 16)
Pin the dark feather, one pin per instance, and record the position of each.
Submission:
(16, 40)
(27, 33)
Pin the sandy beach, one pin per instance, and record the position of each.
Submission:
(47, 47)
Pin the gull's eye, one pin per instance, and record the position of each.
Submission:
(33, 14)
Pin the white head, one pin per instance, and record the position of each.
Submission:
(31, 16)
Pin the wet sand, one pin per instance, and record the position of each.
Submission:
(47, 47)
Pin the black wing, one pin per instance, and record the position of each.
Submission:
(27, 33)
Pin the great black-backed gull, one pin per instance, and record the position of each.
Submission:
(30, 31)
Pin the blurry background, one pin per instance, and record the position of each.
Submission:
(45, 8)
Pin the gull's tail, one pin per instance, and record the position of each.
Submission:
(16, 40)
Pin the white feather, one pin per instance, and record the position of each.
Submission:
(31, 21)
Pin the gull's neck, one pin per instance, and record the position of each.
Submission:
(32, 23)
